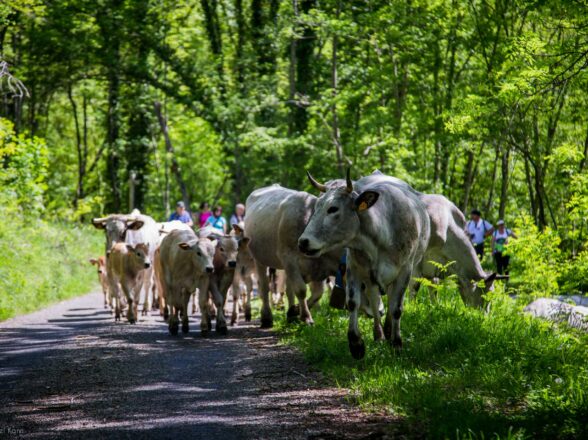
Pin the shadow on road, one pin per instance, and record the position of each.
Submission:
(73, 372)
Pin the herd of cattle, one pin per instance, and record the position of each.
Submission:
(391, 234)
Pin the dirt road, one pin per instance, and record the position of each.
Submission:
(70, 372)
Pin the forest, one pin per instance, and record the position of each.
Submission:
(111, 105)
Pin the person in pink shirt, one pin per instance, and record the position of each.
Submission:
(205, 213)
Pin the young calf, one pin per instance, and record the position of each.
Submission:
(126, 265)
(100, 264)
(224, 262)
(186, 262)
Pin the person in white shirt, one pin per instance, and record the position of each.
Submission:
(478, 229)
(499, 240)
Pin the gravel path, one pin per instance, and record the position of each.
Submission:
(70, 372)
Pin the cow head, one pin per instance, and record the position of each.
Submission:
(139, 254)
(472, 292)
(335, 220)
(100, 264)
(201, 251)
(116, 227)
(226, 251)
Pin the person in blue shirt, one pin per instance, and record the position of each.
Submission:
(181, 214)
(216, 220)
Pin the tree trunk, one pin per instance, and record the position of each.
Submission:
(504, 183)
(334, 85)
(175, 168)
(79, 148)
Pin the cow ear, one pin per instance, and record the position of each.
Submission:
(137, 224)
(130, 247)
(366, 200)
(93, 261)
(185, 246)
(214, 238)
(237, 229)
(99, 223)
(244, 242)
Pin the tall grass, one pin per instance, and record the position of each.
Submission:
(42, 263)
(462, 373)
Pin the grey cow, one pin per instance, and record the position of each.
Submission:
(448, 243)
(386, 230)
(186, 262)
(276, 217)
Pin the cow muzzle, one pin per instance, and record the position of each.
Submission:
(232, 264)
(209, 269)
(147, 265)
(304, 247)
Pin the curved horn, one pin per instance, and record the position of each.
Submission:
(319, 186)
(349, 182)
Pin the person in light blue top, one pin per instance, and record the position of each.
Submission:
(181, 214)
(216, 220)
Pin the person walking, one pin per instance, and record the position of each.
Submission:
(216, 220)
(205, 213)
(239, 214)
(500, 238)
(478, 229)
(181, 214)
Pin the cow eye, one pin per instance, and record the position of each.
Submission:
(199, 254)
(332, 210)
(222, 249)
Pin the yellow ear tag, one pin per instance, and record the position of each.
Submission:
(362, 206)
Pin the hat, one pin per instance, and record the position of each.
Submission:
(180, 204)
(500, 222)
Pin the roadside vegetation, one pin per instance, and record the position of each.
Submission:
(43, 258)
(461, 373)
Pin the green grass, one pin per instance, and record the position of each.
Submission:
(42, 263)
(461, 374)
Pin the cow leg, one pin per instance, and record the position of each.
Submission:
(249, 291)
(316, 292)
(375, 298)
(295, 284)
(356, 344)
(131, 317)
(185, 301)
(147, 282)
(293, 309)
(236, 291)
(203, 303)
(195, 302)
(267, 320)
(219, 302)
(174, 322)
(395, 306)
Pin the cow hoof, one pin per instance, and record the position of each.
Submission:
(267, 323)
(185, 328)
(222, 330)
(165, 314)
(204, 333)
(356, 346)
(173, 330)
(293, 312)
(378, 334)
(397, 344)
(388, 329)
(248, 314)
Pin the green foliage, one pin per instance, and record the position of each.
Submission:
(24, 170)
(461, 373)
(42, 263)
(536, 258)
